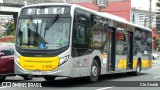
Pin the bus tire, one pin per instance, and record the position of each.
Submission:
(27, 77)
(95, 71)
(49, 78)
(2, 78)
(138, 69)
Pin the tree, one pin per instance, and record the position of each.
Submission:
(10, 28)
(158, 3)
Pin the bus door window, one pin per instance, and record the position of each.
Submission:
(80, 34)
(130, 54)
(137, 41)
(121, 45)
(79, 40)
(111, 49)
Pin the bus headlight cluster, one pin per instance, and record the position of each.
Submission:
(63, 60)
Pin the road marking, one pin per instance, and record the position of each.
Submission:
(104, 88)
(156, 77)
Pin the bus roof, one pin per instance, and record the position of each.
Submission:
(48, 4)
(113, 17)
(102, 14)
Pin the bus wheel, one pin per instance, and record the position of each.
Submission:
(49, 78)
(27, 77)
(95, 71)
(2, 78)
(138, 69)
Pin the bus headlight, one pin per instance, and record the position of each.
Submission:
(63, 60)
(17, 59)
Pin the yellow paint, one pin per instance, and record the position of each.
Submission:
(39, 63)
(145, 63)
(122, 64)
(134, 64)
(150, 63)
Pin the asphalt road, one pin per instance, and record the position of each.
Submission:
(148, 80)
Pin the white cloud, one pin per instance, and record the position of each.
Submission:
(1, 1)
(143, 4)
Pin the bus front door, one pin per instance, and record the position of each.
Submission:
(130, 51)
(111, 49)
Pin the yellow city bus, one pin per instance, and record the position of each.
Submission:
(59, 39)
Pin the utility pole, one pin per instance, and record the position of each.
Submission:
(150, 14)
(103, 3)
(25, 3)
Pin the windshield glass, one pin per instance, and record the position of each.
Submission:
(43, 33)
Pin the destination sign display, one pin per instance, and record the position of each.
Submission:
(45, 10)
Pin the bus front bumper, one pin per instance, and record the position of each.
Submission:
(65, 70)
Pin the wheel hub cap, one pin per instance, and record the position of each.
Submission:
(94, 71)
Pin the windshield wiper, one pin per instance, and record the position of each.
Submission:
(50, 23)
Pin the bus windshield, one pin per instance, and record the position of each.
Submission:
(43, 33)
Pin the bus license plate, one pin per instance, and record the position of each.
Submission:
(46, 66)
(37, 73)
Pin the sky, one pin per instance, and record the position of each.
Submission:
(143, 4)
(1, 1)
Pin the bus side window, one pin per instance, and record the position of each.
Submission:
(80, 29)
(80, 35)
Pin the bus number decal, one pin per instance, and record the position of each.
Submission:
(47, 66)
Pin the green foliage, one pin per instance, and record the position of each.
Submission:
(10, 27)
(158, 3)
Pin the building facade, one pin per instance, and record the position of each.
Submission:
(126, 10)
(141, 17)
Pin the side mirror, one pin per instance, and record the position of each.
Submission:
(1, 54)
